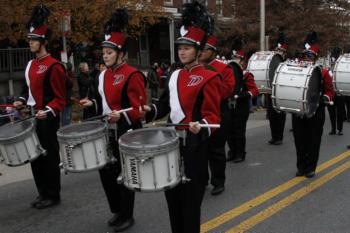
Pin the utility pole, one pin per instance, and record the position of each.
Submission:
(262, 25)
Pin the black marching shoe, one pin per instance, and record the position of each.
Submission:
(46, 203)
(239, 158)
(230, 156)
(310, 174)
(332, 132)
(113, 221)
(340, 133)
(217, 190)
(123, 225)
(36, 201)
(275, 142)
(299, 173)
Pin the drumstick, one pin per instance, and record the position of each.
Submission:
(188, 125)
(30, 117)
(7, 115)
(106, 115)
(124, 110)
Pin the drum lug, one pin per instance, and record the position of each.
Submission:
(143, 160)
(184, 179)
(120, 179)
(40, 150)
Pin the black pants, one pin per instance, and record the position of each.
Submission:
(337, 113)
(347, 105)
(46, 170)
(184, 201)
(154, 92)
(217, 156)
(277, 121)
(237, 127)
(307, 134)
(120, 199)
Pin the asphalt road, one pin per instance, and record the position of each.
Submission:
(262, 194)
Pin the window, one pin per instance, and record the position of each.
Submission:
(219, 7)
(168, 2)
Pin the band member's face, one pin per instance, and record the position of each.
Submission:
(309, 57)
(34, 45)
(187, 53)
(109, 56)
(206, 55)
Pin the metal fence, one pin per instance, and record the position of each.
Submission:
(14, 59)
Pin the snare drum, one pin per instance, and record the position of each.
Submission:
(19, 143)
(83, 146)
(150, 159)
(263, 66)
(296, 88)
(341, 75)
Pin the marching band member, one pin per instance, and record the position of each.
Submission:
(240, 113)
(45, 93)
(217, 156)
(277, 119)
(307, 132)
(120, 86)
(336, 111)
(192, 96)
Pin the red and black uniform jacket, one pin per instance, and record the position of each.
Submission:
(45, 85)
(328, 89)
(190, 96)
(249, 88)
(227, 77)
(119, 88)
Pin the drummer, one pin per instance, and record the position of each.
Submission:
(237, 128)
(307, 132)
(217, 156)
(120, 86)
(45, 94)
(192, 97)
(277, 119)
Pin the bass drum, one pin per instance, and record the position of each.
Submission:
(297, 88)
(263, 66)
(238, 72)
(341, 75)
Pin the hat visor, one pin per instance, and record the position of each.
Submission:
(183, 41)
(209, 47)
(35, 37)
(107, 44)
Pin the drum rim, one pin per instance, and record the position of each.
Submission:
(173, 142)
(79, 135)
(19, 136)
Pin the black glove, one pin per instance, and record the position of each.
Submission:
(244, 94)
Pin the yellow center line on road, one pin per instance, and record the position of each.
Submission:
(273, 209)
(233, 213)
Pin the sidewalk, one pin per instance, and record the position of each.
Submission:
(15, 174)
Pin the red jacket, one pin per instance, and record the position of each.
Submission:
(45, 94)
(120, 88)
(328, 89)
(191, 95)
(249, 84)
(228, 78)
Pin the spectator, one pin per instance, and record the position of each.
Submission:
(67, 111)
(85, 85)
(152, 80)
